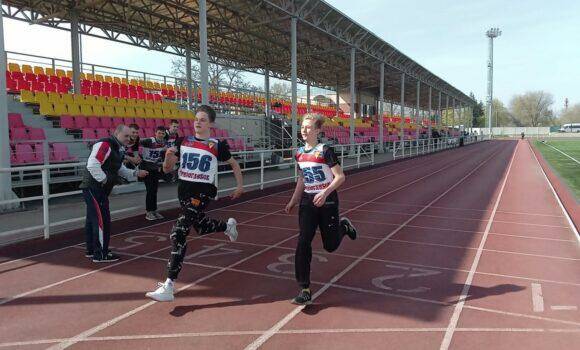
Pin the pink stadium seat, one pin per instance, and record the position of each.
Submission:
(24, 154)
(60, 153)
(67, 122)
(102, 133)
(117, 121)
(107, 122)
(140, 122)
(15, 120)
(149, 132)
(19, 134)
(128, 121)
(94, 122)
(142, 133)
(39, 153)
(150, 123)
(81, 122)
(89, 134)
(36, 134)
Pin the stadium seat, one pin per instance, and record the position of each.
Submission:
(24, 154)
(36, 134)
(102, 133)
(106, 122)
(67, 122)
(15, 120)
(81, 122)
(60, 153)
(94, 122)
(89, 134)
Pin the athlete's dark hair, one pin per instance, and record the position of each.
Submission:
(161, 128)
(207, 110)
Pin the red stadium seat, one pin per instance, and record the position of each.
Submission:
(15, 120)
(60, 153)
(67, 122)
(36, 134)
(102, 133)
(94, 122)
(19, 134)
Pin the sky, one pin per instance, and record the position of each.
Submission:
(539, 48)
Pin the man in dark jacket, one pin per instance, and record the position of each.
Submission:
(104, 170)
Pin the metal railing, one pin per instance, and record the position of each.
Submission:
(270, 161)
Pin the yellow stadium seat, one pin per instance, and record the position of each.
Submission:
(86, 110)
(60, 109)
(169, 87)
(102, 100)
(140, 112)
(163, 86)
(60, 73)
(83, 76)
(182, 114)
(140, 103)
(108, 78)
(157, 86)
(166, 113)
(149, 113)
(26, 96)
(141, 83)
(120, 112)
(99, 77)
(121, 101)
(69, 74)
(130, 112)
(131, 102)
(13, 67)
(158, 113)
(46, 108)
(41, 97)
(67, 98)
(117, 80)
(90, 100)
(133, 82)
(79, 99)
(174, 113)
(149, 104)
(49, 71)
(109, 111)
(124, 81)
(98, 111)
(74, 109)
(148, 85)
(89, 76)
(54, 97)
(38, 70)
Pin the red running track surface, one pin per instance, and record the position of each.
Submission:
(462, 249)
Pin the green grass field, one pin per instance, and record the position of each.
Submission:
(566, 168)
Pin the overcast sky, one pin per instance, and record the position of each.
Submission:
(539, 47)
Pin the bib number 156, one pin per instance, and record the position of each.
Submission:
(193, 161)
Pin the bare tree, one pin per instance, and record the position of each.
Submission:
(229, 78)
(502, 116)
(281, 90)
(571, 115)
(533, 108)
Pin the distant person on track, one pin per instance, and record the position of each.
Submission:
(153, 154)
(523, 135)
(317, 200)
(199, 155)
(103, 171)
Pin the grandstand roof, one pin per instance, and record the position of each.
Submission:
(251, 35)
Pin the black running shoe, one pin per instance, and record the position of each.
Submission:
(350, 230)
(109, 258)
(303, 298)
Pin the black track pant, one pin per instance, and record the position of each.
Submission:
(192, 214)
(152, 185)
(98, 221)
(310, 218)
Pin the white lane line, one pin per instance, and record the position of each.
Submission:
(570, 222)
(564, 153)
(459, 306)
(564, 308)
(537, 297)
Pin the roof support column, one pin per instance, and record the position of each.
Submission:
(418, 110)
(75, 50)
(294, 74)
(447, 110)
(381, 102)
(453, 114)
(308, 100)
(337, 101)
(439, 110)
(430, 112)
(5, 182)
(268, 102)
(188, 78)
(402, 126)
(203, 56)
(352, 94)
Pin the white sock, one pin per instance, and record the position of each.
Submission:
(169, 282)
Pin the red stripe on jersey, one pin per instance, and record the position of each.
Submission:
(304, 157)
(200, 145)
(103, 152)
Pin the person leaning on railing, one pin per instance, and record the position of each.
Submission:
(103, 171)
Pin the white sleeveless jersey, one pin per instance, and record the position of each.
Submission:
(153, 151)
(199, 161)
(316, 173)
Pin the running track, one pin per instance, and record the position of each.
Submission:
(462, 249)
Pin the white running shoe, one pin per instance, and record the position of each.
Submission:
(231, 231)
(163, 293)
(150, 216)
(158, 216)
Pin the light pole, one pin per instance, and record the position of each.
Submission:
(491, 34)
